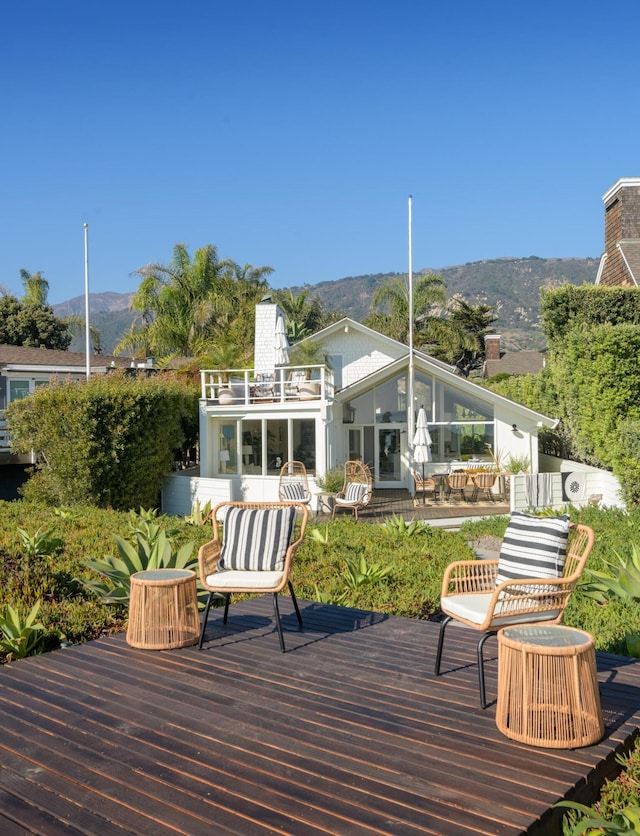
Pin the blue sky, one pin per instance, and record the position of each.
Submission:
(292, 133)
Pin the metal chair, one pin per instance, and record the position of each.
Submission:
(255, 555)
(472, 595)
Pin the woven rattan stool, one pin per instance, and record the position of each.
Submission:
(163, 609)
(547, 686)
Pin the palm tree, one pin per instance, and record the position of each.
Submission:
(390, 305)
(36, 288)
(189, 305)
(304, 316)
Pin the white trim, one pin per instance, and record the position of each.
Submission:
(622, 183)
(624, 258)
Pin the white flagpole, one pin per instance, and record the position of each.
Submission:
(410, 410)
(87, 343)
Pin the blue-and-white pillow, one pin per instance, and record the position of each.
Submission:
(533, 547)
(256, 539)
(293, 492)
(355, 492)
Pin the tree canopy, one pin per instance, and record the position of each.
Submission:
(27, 323)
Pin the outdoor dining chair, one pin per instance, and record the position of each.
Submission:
(483, 483)
(251, 552)
(424, 485)
(457, 482)
(540, 563)
(357, 489)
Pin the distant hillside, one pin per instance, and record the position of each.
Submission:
(510, 285)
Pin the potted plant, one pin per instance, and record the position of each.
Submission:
(329, 484)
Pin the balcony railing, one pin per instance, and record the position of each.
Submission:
(248, 387)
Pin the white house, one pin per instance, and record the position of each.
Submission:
(362, 405)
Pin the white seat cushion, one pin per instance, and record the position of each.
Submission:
(239, 579)
(473, 607)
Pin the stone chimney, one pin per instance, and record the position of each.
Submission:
(619, 262)
(492, 346)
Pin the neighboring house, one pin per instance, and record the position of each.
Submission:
(620, 262)
(24, 368)
(359, 407)
(509, 362)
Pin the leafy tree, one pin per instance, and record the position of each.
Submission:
(459, 339)
(31, 325)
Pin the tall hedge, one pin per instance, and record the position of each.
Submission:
(108, 441)
(564, 308)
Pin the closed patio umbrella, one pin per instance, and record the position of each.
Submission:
(422, 443)
(282, 344)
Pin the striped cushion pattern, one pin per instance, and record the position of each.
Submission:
(294, 491)
(355, 492)
(533, 547)
(256, 539)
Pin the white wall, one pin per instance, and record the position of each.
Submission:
(597, 482)
(360, 356)
(180, 491)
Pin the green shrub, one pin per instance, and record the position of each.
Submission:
(20, 637)
(108, 441)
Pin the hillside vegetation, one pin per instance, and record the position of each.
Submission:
(511, 285)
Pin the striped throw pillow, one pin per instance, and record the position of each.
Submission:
(256, 539)
(355, 492)
(533, 547)
(294, 492)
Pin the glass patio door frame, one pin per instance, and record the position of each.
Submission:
(398, 479)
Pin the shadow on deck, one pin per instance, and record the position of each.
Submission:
(348, 732)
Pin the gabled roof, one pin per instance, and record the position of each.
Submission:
(515, 362)
(394, 346)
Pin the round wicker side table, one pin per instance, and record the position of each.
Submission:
(547, 686)
(163, 609)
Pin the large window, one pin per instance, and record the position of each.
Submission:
(267, 444)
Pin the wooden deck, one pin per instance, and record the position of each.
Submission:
(348, 732)
(386, 502)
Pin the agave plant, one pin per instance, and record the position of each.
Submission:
(146, 553)
(21, 637)
(359, 573)
(619, 579)
(624, 821)
(40, 544)
(396, 525)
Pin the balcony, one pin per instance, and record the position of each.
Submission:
(246, 387)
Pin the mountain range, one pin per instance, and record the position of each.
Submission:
(510, 285)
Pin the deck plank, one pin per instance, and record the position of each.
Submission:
(347, 732)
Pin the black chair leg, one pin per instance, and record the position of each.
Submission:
(295, 603)
(227, 598)
(443, 624)
(204, 620)
(276, 610)
(483, 697)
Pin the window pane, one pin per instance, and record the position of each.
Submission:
(276, 446)
(18, 389)
(363, 408)
(423, 394)
(228, 449)
(252, 446)
(452, 405)
(391, 401)
(304, 443)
